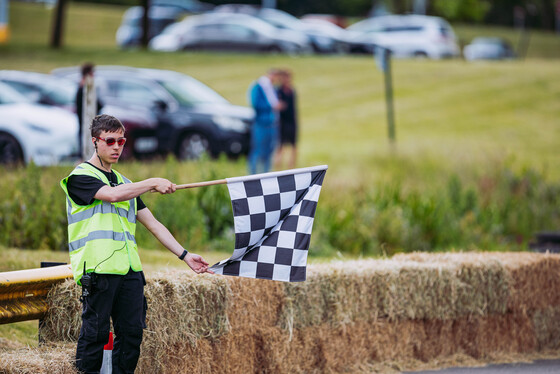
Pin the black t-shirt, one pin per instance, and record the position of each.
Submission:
(82, 188)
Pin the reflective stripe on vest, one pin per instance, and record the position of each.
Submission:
(105, 207)
(101, 234)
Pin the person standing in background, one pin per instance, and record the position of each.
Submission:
(288, 120)
(264, 131)
(87, 71)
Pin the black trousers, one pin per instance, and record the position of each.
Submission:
(120, 298)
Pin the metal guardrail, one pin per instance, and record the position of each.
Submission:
(23, 293)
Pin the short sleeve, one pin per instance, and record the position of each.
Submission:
(82, 188)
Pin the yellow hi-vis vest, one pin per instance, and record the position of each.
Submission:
(101, 234)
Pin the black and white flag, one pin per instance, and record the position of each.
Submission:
(273, 217)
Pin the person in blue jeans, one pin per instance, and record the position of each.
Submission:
(264, 131)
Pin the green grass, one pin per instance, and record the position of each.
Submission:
(478, 122)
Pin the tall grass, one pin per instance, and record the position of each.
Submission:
(498, 210)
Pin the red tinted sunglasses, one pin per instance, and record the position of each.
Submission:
(112, 141)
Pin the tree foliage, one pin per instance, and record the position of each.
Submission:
(462, 10)
(534, 13)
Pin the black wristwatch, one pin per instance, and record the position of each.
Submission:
(182, 257)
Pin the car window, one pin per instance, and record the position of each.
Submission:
(22, 88)
(238, 32)
(280, 19)
(444, 31)
(10, 96)
(63, 95)
(207, 31)
(407, 28)
(131, 92)
(188, 91)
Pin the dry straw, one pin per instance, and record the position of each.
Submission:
(365, 290)
(417, 306)
(52, 359)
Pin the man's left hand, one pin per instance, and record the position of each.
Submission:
(197, 263)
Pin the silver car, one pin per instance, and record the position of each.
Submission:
(229, 32)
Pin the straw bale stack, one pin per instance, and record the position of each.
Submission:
(417, 306)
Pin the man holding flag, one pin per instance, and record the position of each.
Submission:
(103, 207)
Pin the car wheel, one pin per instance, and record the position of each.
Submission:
(274, 49)
(10, 150)
(192, 146)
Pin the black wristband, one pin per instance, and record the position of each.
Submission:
(183, 255)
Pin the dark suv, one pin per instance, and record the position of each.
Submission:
(192, 118)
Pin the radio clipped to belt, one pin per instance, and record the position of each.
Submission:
(88, 282)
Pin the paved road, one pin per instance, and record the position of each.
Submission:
(536, 367)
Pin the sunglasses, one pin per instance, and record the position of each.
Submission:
(112, 141)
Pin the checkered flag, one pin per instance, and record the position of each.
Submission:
(273, 217)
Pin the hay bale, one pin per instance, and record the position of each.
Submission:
(182, 308)
(248, 296)
(533, 275)
(416, 306)
(529, 274)
(54, 359)
(547, 327)
(338, 293)
(63, 320)
(481, 336)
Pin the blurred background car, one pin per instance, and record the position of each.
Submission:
(192, 119)
(348, 41)
(42, 88)
(409, 35)
(487, 48)
(229, 32)
(160, 14)
(337, 20)
(320, 41)
(129, 33)
(46, 89)
(187, 6)
(47, 135)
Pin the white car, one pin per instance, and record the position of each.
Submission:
(44, 134)
(486, 48)
(409, 35)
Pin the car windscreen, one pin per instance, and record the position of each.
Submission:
(281, 20)
(10, 96)
(188, 91)
(63, 95)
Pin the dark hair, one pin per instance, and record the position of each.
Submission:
(87, 68)
(105, 122)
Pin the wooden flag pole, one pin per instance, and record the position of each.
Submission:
(274, 174)
(200, 184)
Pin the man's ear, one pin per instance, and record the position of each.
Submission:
(94, 140)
